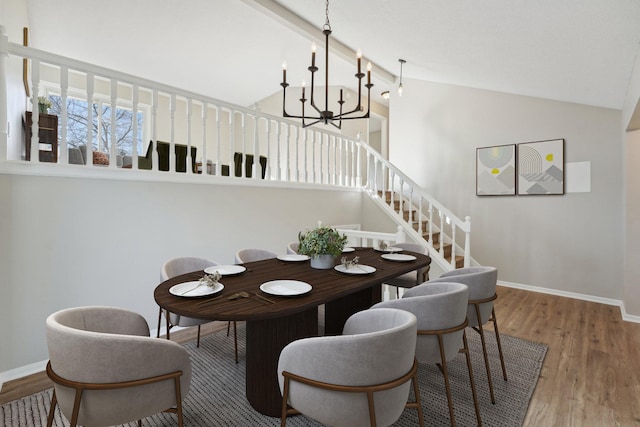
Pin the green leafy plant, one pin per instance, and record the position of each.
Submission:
(44, 102)
(321, 241)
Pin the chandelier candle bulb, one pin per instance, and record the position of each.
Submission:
(359, 57)
(369, 73)
(313, 54)
(284, 72)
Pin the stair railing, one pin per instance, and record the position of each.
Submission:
(414, 208)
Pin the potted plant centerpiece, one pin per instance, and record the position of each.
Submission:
(323, 245)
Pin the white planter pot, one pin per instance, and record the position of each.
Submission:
(322, 262)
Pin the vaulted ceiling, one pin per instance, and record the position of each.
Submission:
(579, 51)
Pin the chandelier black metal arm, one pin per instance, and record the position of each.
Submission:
(327, 116)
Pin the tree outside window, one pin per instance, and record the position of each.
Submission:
(77, 125)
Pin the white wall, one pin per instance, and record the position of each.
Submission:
(70, 241)
(572, 242)
(632, 223)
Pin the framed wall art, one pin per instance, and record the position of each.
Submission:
(496, 170)
(541, 167)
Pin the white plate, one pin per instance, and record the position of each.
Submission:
(398, 257)
(389, 249)
(225, 270)
(355, 269)
(293, 257)
(191, 289)
(285, 288)
(347, 250)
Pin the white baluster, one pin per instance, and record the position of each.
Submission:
(64, 115)
(205, 111)
(172, 126)
(453, 245)
(232, 142)
(313, 156)
(269, 150)
(441, 234)
(243, 164)
(35, 114)
(134, 124)
(114, 136)
(90, 91)
(334, 175)
(287, 164)
(191, 161)
(431, 223)
(467, 242)
(306, 158)
(358, 166)
(154, 130)
(278, 154)
(256, 169)
(411, 206)
(420, 222)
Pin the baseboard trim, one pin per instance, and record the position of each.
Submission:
(22, 371)
(585, 297)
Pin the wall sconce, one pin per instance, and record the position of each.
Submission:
(385, 94)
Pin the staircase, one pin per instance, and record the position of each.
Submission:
(422, 218)
(421, 226)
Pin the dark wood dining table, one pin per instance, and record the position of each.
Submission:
(272, 324)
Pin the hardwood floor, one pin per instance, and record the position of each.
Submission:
(590, 376)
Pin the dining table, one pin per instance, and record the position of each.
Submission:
(279, 299)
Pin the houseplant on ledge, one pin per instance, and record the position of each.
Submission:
(323, 245)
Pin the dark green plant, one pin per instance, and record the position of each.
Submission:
(321, 241)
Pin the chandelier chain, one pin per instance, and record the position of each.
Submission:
(327, 25)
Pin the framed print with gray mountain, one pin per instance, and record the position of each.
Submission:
(496, 170)
(541, 167)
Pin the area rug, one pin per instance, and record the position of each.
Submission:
(217, 397)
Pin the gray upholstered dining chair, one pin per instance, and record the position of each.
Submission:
(441, 310)
(413, 278)
(292, 247)
(360, 378)
(107, 370)
(482, 282)
(250, 255)
(175, 267)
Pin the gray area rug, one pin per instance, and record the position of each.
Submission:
(217, 397)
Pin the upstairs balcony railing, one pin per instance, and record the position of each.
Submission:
(186, 135)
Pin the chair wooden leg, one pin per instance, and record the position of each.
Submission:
(486, 357)
(166, 315)
(159, 322)
(372, 409)
(76, 407)
(228, 327)
(465, 350)
(235, 340)
(198, 338)
(285, 397)
(178, 400)
(139, 423)
(495, 328)
(52, 408)
(447, 386)
(418, 403)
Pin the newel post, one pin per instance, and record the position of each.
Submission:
(4, 131)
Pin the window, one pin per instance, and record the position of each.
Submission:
(77, 118)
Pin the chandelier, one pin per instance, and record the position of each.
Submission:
(327, 116)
